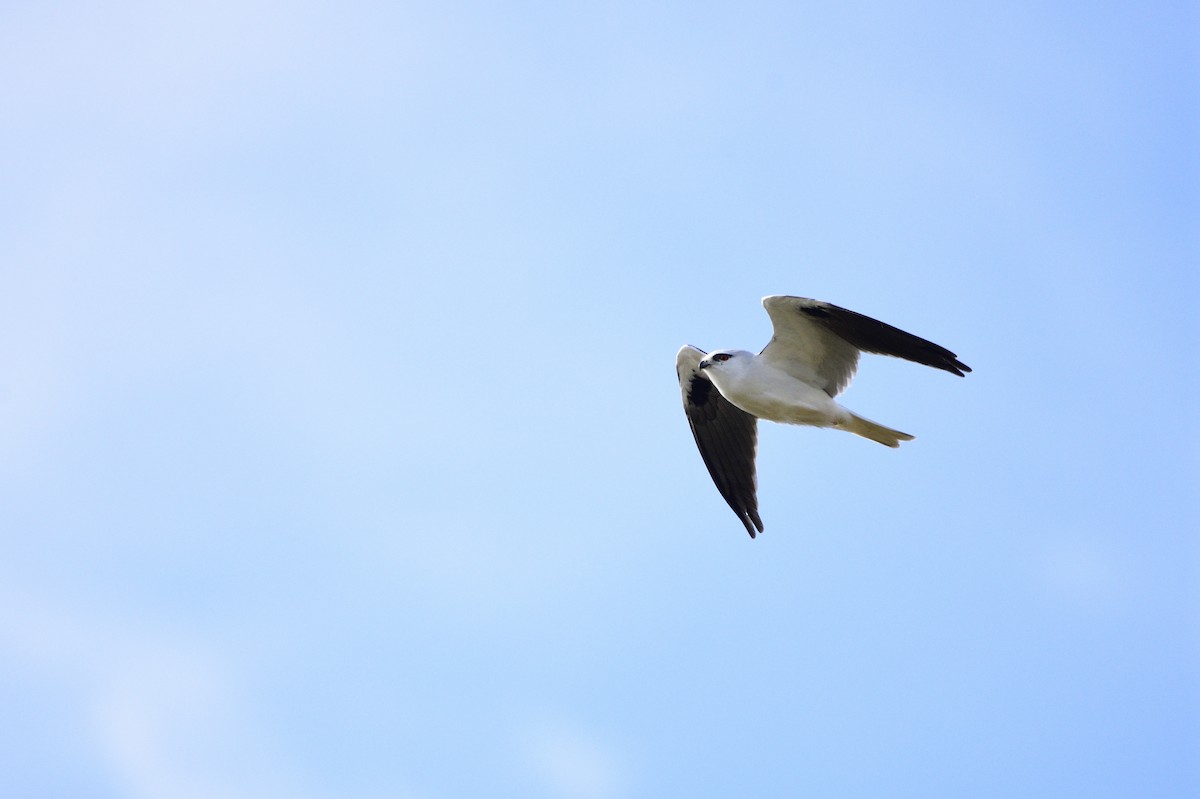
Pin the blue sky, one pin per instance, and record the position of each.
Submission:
(342, 449)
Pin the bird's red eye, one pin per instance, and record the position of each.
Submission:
(721, 356)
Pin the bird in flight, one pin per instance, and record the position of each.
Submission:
(808, 361)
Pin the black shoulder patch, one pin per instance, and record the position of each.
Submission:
(698, 390)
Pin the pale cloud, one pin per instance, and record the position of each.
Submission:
(570, 761)
(169, 715)
(144, 61)
(1082, 570)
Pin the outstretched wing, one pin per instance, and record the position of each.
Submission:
(726, 435)
(818, 342)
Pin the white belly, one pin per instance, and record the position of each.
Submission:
(777, 396)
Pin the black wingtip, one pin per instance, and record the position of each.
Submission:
(938, 357)
(871, 335)
(752, 521)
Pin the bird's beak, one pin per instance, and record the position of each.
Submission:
(704, 364)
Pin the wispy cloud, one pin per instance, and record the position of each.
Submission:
(1083, 570)
(570, 761)
(168, 715)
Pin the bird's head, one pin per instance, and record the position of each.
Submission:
(725, 361)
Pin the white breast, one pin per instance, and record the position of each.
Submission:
(773, 394)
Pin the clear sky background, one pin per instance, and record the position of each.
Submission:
(342, 456)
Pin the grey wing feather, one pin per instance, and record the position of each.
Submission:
(819, 342)
(726, 436)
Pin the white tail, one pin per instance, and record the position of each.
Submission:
(876, 432)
